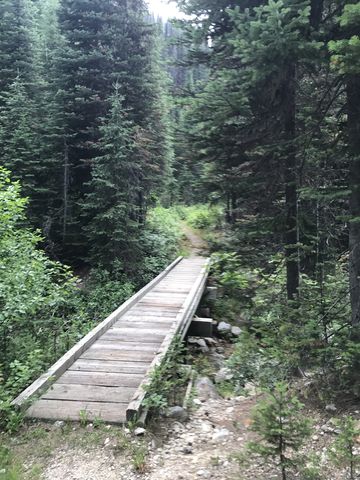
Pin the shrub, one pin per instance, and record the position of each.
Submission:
(344, 452)
(280, 424)
(203, 216)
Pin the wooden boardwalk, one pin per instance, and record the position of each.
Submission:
(104, 375)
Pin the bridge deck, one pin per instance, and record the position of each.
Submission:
(103, 376)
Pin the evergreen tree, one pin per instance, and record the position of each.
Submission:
(15, 43)
(115, 186)
(346, 60)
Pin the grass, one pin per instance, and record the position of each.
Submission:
(139, 457)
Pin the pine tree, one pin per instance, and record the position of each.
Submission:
(346, 60)
(112, 203)
(15, 43)
(106, 43)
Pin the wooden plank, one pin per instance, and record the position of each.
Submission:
(86, 365)
(70, 410)
(100, 378)
(133, 346)
(68, 359)
(136, 336)
(161, 303)
(88, 393)
(148, 316)
(146, 328)
(126, 355)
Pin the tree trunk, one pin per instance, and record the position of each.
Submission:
(290, 178)
(353, 103)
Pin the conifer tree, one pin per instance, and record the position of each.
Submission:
(346, 59)
(115, 185)
(15, 43)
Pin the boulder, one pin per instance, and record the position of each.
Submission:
(236, 331)
(177, 413)
(223, 375)
(205, 389)
(331, 408)
(198, 342)
(221, 435)
(224, 328)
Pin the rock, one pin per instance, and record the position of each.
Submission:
(206, 427)
(250, 389)
(221, 435)
(329, 429)
(205, 389)
(197, 401)
(199, 342)
(191, 340)
(139, 431)
(59, 424)
(224, 328)
(203, 473)
(212, 342)
(187, 450)
(217, 359)
(330, 408)
(107, 442)
(223, 375)
(202, 344)
(177, 413)
(236, 331)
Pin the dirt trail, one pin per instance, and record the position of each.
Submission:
(194, 242)
(200, 448)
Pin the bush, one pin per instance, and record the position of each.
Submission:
(203, 216)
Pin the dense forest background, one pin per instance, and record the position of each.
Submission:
(113, 123)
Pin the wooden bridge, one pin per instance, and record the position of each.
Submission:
(104, 375)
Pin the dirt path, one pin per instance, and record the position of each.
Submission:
(194, 242)
(200, 448)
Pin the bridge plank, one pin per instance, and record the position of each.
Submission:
(127, 355)
(89, 393)
(70, 410)
(106, 379)
(87, 365)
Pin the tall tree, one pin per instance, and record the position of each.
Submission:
(347, 60)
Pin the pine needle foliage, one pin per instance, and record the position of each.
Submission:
(281, 426)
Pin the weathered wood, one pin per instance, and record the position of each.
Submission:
(70, 410)
(106, 379)
(124, 346)
(118, 335)
(126, 355)
(68, 359)
(89, 393)
(87, 365)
